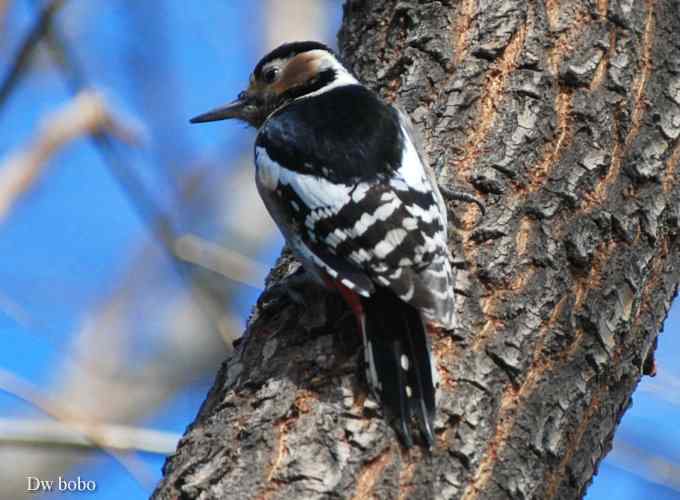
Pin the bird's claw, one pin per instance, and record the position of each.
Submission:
(452, 194)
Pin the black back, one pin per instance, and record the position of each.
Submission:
(344, 132)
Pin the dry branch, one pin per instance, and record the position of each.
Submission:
(220, 259)
(86, 425)
(85, 114)
(112, 437)
(40, 28)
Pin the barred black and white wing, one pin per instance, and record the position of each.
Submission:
(363, 223)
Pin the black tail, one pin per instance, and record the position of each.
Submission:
(399, 362)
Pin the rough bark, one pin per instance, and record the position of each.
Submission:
(565, 117)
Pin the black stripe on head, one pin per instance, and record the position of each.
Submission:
(288, 50)
(322, 79)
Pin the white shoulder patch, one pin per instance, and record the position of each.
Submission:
(267, 170)
(314, 191)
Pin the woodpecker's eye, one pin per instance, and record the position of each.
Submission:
(270, 75)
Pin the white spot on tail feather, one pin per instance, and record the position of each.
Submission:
(404, 362)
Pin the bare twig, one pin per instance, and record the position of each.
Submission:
(647, 465)
(14, 310)
(87, 113)
(141, 200)
(114, 437)
(288, 21)
(20, 388)
(40, 28)
(4, 4)
(664, 386)
(158, 222)
(220, 259)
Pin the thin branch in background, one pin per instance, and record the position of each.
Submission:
(14, 310)
(4, 5)
(664, 386)
(147, 209)
(63, 57)
(160, 225)
(20, 62)
(105, 381)
(646, 465)
(87, 113)
(114, 437)
(221, 260)
(14, 385)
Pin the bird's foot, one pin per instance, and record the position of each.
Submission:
(305, 292)
(452, 194)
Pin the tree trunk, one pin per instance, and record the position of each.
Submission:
(564, 116)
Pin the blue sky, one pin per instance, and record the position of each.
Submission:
(69, 241)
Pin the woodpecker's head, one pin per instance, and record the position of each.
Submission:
(289, 72)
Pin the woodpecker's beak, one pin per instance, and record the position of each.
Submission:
(243, 108)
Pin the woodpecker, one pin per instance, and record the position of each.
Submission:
(341, 174)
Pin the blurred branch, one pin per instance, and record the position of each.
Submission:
(20, 62)
(66, 61)
(221, 260)
(4, 5)
(302, 19)
(644, 464)
(159, 223)
(14, 310)
(87, 113)
(113, 437)
(102, 374)
(665, 386)
(14, 385)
